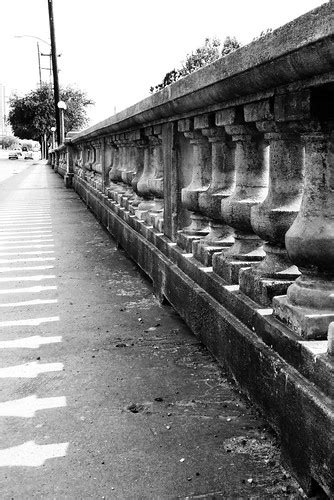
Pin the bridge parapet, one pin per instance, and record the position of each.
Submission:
(221, 188)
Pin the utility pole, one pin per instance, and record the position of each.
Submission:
(39, 65)
(54, 68)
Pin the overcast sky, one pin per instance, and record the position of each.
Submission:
(115, 50)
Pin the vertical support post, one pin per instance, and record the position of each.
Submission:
(54, 69)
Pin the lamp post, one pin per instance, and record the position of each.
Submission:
(53, 129)
(62, 107)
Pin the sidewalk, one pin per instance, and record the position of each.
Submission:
(104, 392)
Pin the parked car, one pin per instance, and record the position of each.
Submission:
(28, 155)
(14, 154)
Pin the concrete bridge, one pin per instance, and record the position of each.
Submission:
(221, 188)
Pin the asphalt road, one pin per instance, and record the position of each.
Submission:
(104, 393)
(8, 168)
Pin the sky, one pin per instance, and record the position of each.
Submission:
(116, 50)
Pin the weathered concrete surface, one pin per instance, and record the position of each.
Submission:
(148, 412)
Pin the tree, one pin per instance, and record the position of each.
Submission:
(8, 141)
(33, 115)
(212, 50)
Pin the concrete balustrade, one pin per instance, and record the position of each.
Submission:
(221, 188)
(199, 182)
(272, 218)
(250, 190)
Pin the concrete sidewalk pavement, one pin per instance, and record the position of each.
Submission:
(105, 393)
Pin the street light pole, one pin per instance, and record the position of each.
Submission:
(54, 68)
(62, 108)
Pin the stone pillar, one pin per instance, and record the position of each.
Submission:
(221, 186)
(308, 307)
(200, 180)
(273, 217)
(250, 190)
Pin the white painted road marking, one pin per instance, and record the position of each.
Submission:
(25, 268)
(28, 259)
(30, 454)
(33, 342)
(30, 370)
(37, 277)
(34, 302)
(29, 322)
(27, 407)
(31, 289)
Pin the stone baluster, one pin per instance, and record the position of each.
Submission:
(115, 177)
(156, 183)
(139, 159)
(308, 306)
(124, 147)
(273, 217)
(143, 184)
(97, 164)
(250, 189)
(221, 186)
(131, 167)
(56, 161)
(68, 177)
(114, 171)
(86, 164)
(199, 182)
(122, 188)
(78, 163)
(108, 161)
(52, 159)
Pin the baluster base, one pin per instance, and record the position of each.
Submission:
(246, 252)
(133, 203)
(195, 231)
(143, 208)
(155, 213)
(308, 307)
(220, 237)
(270, 278)
(68, 180)
(114, 189)
(308, 323)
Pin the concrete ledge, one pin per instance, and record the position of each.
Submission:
(297, 50)
(288, 381)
